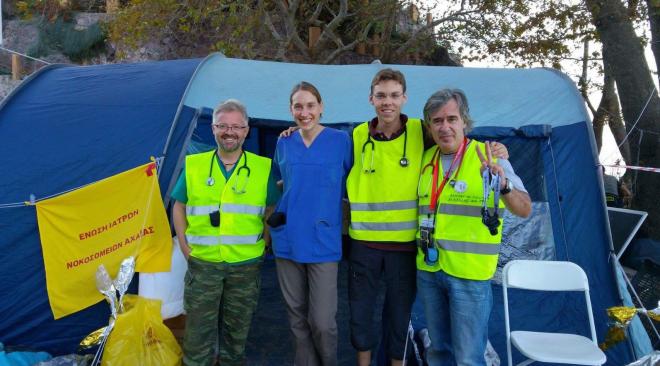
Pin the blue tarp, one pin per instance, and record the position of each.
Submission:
(64, 128)
(69, 126)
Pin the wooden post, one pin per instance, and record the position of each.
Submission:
(111, 6)
(376, 45)
(314, 34)
(16, 67)
(429, 20)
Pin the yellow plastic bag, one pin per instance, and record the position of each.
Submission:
(140, 337)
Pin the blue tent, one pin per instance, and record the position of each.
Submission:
(69, 126)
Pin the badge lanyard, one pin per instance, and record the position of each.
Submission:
(491, 182)
(436, 191)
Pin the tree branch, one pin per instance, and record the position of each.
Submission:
(336, 53)
(328, 31)
(458, 16)
(314, 20)
(288, 15)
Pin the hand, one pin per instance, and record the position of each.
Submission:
(498, 150)
(185, 249)
(289, 131)
(488, 163)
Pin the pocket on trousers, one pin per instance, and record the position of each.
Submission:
(188, 278)
(187, 290)
(357, 280)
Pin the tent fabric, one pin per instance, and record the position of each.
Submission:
(69, 126)
(506, 97)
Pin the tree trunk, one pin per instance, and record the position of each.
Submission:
(654, 20)
(622, 49)
(598, 122)
(614, 113)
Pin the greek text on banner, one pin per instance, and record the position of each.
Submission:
(101, 223)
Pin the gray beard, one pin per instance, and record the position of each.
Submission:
(222, 148)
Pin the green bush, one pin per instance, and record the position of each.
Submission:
(75, 44)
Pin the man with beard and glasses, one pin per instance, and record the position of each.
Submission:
(220, 199)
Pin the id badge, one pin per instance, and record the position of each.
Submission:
(431, 253)
(427, 223)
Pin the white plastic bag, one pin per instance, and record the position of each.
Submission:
(167, 286)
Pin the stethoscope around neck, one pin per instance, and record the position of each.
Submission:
(244, 178)
(403, 161)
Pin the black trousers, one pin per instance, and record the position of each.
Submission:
(398, 269)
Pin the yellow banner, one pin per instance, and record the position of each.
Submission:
(102, 223)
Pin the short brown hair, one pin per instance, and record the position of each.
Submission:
(388, 74)
(306, 86)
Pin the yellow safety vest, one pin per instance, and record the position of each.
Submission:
(383, 200)
(465, 246)
(239, 236)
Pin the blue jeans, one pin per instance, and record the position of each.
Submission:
(457, 312)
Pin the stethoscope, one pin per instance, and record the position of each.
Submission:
(403, 161)
(244, 178)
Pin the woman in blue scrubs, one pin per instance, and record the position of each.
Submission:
(306, 226)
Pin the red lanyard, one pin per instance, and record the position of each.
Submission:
(435, 193)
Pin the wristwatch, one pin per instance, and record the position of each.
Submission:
(508, 187)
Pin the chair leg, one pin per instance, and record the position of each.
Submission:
(526, 362)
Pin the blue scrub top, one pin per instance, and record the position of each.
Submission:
(314, 186)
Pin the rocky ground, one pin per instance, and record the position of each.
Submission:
(21, 35)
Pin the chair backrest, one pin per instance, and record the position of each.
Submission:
(544, 276)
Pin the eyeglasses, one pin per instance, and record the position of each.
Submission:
(223, 128)
(383, 96)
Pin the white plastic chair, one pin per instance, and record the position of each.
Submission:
(550, 347)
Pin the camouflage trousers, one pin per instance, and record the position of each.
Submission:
(219, 300)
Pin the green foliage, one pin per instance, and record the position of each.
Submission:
(261, 29)
(62, 36)
(194, 28)
(46, 9)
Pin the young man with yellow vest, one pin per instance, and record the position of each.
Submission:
(218, 217)
(382, 191)
(457, 254)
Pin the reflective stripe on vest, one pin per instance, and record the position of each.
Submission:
(224, 239)
(242, 209)
(200, 210)
(467, 247)
(383, 206)
(453, 209)
(384, 226)
(383, 202)
(461, 210)
(225, 207)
